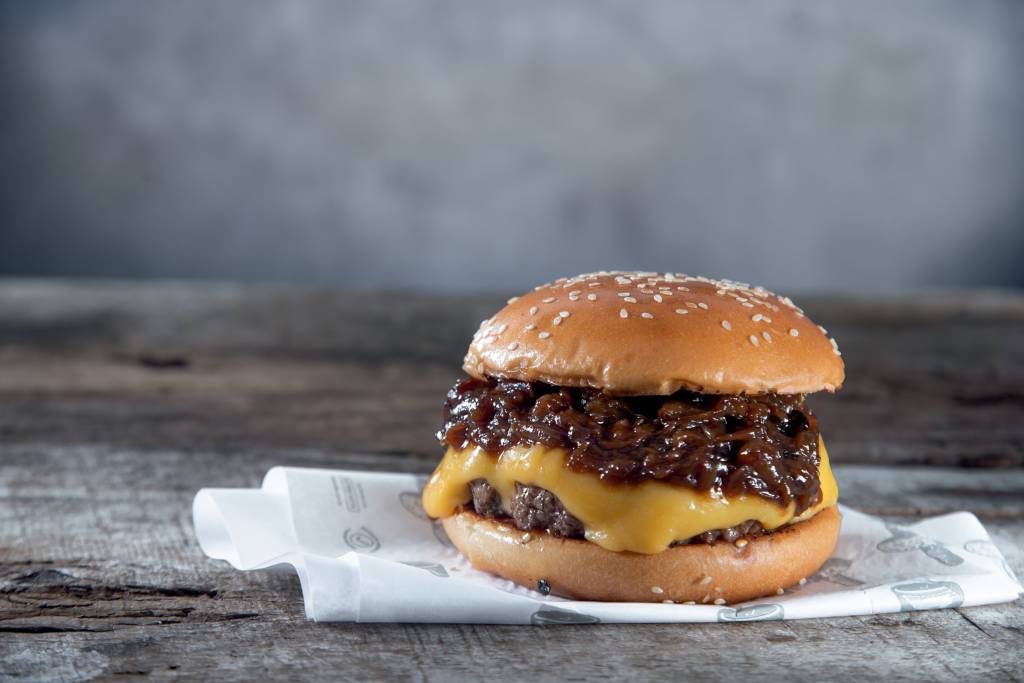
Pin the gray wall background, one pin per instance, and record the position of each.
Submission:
(870, 145)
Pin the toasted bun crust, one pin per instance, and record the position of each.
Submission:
(644, 333)
(586, 571)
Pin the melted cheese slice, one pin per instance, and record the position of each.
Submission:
(641, 518)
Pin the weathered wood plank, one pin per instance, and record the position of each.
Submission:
(117, 403)
(924, 646)
(932, 380)
(256, 633)
(120, 586)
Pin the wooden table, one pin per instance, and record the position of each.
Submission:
(119, 400)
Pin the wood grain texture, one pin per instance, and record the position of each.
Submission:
(120, 585)
(936, 380)
(118, 402)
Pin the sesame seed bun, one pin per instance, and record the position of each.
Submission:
(646, 333)
(698, 572)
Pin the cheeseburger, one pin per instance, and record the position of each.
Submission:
(641, 437)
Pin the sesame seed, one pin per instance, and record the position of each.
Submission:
(529, 326)
(501, 328)
(703, 305)
(690, 304)
(754, 340)
(574, 292)
(682, 311)
(823, 330)
(747, 305)
(705, 580)
(563, 314)
(668, 602)
(767, 337)
(592, 297)
(719, 601)
(623, 313)
(726, 324)
(682, 289)
(706, 599)
(657, 297)
(512, 300)
(629, 300)
(767, 320)
(548, 300)
(657, 590)
(802, 581)
(557, 320)
(533, 310)
(594, 284)
(741, 542)
(779, 591)
(623, 294)
(793, 332)
(756, 317)
(647, 315)
(835, 346)
(544, 335)
(513, 346)
(690, 602)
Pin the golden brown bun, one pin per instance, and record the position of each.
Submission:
(586, 571)
(672, 332)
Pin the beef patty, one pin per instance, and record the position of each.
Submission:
(533, 507)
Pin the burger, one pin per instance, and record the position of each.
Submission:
(641, 437)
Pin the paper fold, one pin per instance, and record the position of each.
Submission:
(365, 551)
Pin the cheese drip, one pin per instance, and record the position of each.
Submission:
(641, 518)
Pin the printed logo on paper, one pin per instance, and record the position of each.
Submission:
(982, 547)
(915, 595)
(432, 567)
(441, 536)
(556, 615)
(412, 502)
(361, 540)
(348, 493)
(904, 541)
(986, 548)
(835, 571)
(767, 612)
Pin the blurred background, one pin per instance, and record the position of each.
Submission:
(455, 145)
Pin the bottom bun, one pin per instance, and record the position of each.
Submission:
(699, 572)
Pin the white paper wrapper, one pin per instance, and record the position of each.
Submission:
(365, 551)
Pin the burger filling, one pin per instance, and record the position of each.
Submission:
(535, 508)
(629, 472)
(763, 445)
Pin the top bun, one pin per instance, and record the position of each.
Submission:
(633, 333)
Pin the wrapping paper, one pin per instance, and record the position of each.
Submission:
(365, 551)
